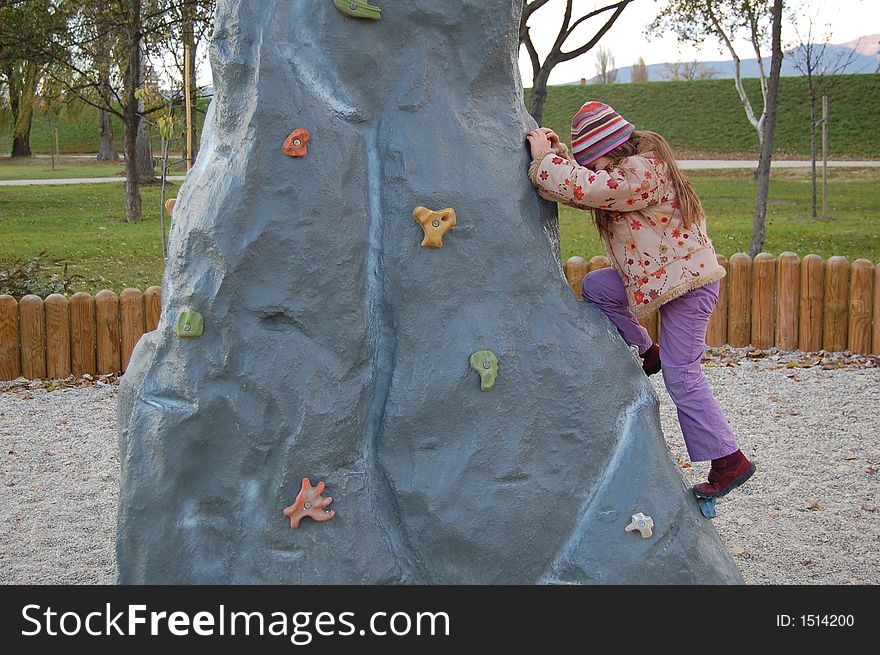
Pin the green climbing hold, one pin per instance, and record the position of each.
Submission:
(485, 363)
(190, 323)
(358, 9)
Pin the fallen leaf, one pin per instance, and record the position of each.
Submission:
(807, 562)
(869, 507)
(870, 470)
(814, 506)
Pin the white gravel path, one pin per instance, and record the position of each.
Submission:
(808, 516)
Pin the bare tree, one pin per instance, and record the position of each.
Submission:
(819, 66)
(769, 128)
(606, 73)
(639, 71)
(693, 21)
(541, 70)
(688, 70)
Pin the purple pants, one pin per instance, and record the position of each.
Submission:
(706, 432)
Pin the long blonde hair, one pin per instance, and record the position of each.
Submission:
(642, 141)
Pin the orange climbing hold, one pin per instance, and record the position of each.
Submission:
(309, 503)
(296, 145)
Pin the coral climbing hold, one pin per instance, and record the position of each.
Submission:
(190, 323)
(485, 363)
(358, 9)
(644, 524)
(434, 224)
(296, 145)
(309, 502)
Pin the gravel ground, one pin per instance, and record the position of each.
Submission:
(808, 516)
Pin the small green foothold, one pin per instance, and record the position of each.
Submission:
(358, 9)
(190, 324)
(485, 363)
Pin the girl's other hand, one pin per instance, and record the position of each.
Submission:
(538, 142)
(552, 136)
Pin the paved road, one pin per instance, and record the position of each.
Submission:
(78, 180)
(687, 164)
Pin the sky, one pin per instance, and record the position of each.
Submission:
(844, 20)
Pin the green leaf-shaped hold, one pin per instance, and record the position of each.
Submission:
(485, 363)
(190, 324)
(358, 9)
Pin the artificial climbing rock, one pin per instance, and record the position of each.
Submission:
(336, 347)
(434, 224)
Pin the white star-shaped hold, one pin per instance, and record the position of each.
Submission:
(643, 524)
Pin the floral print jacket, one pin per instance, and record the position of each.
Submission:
(657, 258)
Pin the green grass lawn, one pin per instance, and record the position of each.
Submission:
(85, 224)
(39, 168)
(728, 198)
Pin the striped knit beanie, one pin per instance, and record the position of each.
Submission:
(596, 129)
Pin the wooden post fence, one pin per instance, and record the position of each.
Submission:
(790, 304)
(784, 301)
(57, 337)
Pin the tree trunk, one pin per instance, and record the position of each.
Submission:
(144, 150)
(107, 150)
(813, 151)
(539, 93)
(22, 81)
(132, 118)
(759, 224)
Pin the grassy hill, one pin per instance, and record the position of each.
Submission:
(701, 118)
(705, 119)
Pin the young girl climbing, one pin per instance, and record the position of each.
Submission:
(653, 226)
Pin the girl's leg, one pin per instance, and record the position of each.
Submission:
(684, 320)
(604, 288)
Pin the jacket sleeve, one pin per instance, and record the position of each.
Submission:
(632, 185)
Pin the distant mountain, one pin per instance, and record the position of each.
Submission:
(865, 53)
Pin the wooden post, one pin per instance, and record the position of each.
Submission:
(861, 305)
(107, 328)
(763, 308)
(131, 321)
(716, 333)
(824, 156)
(576, 269)
(651, 323)
(834, 323)
(33, 337)
(739, 299)
(10, 340)
(57, 336)
(187, 83)
(875, 342)
(83, 334)
(811, 307)
(599, 261)
(153, 307)
(787, 300)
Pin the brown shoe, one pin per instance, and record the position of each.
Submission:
(726, 474)
(651, 360)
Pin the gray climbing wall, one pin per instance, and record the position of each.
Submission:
(337, 348)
